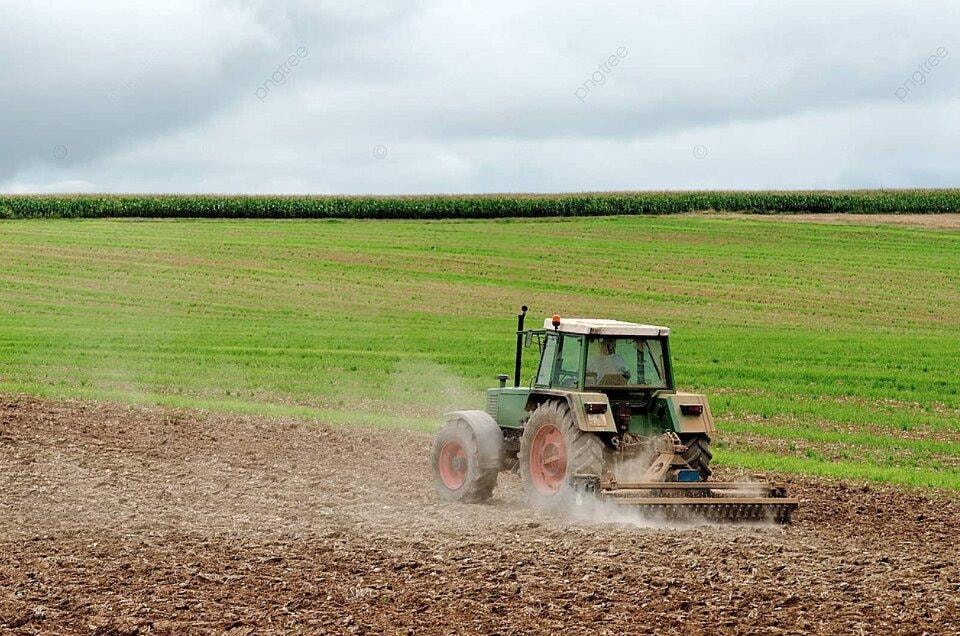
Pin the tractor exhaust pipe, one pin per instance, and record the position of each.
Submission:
(516, 367)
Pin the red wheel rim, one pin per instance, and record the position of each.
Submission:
(548, 460)
(452, 465)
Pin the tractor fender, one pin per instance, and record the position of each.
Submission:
(576, 400)
(683, 422)
(488, 435)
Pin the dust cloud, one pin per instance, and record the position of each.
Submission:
(426, 390)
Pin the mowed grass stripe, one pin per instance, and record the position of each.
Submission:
(923, 446)
(428, 273)
(906, 476)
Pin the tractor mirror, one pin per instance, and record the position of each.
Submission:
(528, 339)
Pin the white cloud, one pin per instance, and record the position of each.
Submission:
(75, 185)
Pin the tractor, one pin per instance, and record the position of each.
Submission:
(600, 419)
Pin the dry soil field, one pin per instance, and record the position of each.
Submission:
(128, 520)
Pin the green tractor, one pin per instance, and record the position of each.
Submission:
(600, 419)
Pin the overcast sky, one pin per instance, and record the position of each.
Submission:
(313, 96)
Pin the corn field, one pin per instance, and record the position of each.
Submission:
(479, 206)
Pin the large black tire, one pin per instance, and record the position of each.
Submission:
(698, 454)
(583, 452)
(466, 456)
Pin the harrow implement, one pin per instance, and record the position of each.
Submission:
(693, 501)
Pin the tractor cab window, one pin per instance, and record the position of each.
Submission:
(626, 362)
(568, 368)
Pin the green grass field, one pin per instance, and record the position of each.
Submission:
(825, 349)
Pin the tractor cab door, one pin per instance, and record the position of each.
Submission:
(548, 358)
(561, 362)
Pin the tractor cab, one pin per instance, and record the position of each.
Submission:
(603, 355)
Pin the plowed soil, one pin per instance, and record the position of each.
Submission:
(946, 221)
(124, 520)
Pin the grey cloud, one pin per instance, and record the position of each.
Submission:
(474, 96)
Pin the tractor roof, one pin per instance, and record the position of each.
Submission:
(597, 327)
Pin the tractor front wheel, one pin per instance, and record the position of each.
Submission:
(552, 450)
(465, 459)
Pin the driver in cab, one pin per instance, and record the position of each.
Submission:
(607, 364)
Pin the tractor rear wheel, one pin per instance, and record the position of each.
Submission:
(552, 450)
(466, 457)
(698, 454)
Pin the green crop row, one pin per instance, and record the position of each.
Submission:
(477, 206)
